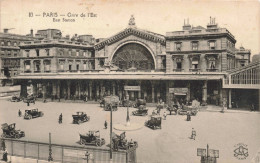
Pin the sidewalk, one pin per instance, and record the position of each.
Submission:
(15, 159)
(213, 108)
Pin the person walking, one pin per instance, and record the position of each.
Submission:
(193, 134)
(5, 154)
(60, 118)
(19, 113)
(164, 115)
(188, 116)
(105, 124)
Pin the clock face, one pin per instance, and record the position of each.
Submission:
(214, 153)
(201, 152)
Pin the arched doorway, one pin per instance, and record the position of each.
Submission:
(133, 56)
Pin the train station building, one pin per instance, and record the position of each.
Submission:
(193, 63)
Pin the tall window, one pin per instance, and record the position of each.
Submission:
(178, 46)
(84, 54)
(69, 52)
(195, 45)
(2, 43)
(27, 53)
(70, 67)
(85, 65)
(77, 67)
(61, 63)
(47, 52)
(212, 63)
(9, 43)
(37, 52)
(212, 45)
(163, 62)
(179, 64)
(15, 44)
(77, 53)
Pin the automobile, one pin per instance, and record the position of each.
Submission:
(120, 142)
(141, 108)
(110, 102)
(80, 117)
(29, 99)
(91, 138)
(15, 98)
(9, 131)
(155, 122)
(32, 113)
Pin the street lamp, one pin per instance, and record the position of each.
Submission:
(127, 116)
(50, 150)
(111, 110)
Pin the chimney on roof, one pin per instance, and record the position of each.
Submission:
(31, 32)
(186, 26)
(6, 30)
(212, 23)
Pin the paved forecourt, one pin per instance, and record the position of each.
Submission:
(222, 131)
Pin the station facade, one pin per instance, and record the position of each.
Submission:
(187, 64)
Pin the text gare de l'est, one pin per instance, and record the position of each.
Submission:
(69, 17)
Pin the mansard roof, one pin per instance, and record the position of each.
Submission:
(132, 31)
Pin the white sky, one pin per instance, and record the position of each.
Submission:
(241, 18)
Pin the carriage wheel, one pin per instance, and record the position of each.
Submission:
(98, 143)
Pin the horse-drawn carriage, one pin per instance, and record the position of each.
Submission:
(141, 106)
(92, 138)
(32, 113)
(155, 122)
(120, 142)
(9, 131)
(80, 117)
(110, 102)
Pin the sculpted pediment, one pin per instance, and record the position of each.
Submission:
(147, 35)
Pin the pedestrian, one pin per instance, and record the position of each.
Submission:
(105, 124)
(28, 103)
(60, 118)
(5, 155)
(252, 107)
(188, 116)
(19, 113)
(164, 115)
(224, 105)
(52, 97)
(193, 134)
(87, 154)
(86, 99)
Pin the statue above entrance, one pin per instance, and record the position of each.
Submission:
(132, 21)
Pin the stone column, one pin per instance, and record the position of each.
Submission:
(120, 91)
(101, 89)
(79, 89)
(76, 89)
(204, 93)
(114, 88)
(90, 90)
(220, 96)
(68, 85)
(109, 87)
(35, 89)
(44, 91)
(139, 92)
(86, 91)
(167, 92)
(23, 91)
(54, 89)
(97, 90)
(58, 89)
(229, 98)
(152, 83)
(188, 93)
(42, 66)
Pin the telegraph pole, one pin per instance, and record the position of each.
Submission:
(111, 141)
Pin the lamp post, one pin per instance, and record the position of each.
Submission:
(127, 116)
(111, 110)
(50, 150)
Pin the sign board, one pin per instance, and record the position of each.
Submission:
(181, 91)
(201, 152)
(213, 153)
(132, 88)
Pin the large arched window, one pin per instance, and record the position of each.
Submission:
(133, 56)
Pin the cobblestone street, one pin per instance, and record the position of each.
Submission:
(222, 131)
